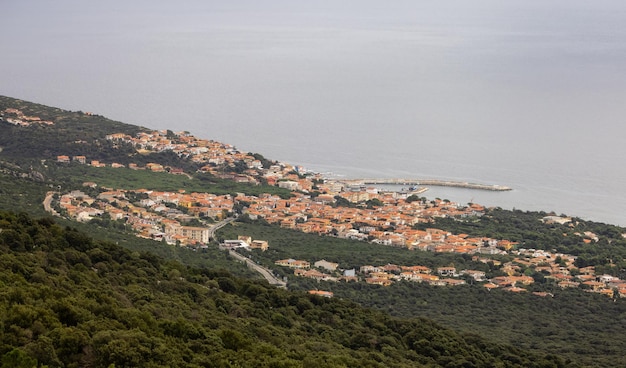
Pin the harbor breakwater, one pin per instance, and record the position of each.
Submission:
(428, 182)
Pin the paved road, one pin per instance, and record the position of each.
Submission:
(218, 226)
(47, 206)
(265, 272)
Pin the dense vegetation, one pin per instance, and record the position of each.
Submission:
(584, 327)
(20, 193)
(67, 300)
(608, 254)
(74, 133)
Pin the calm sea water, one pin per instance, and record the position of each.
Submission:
(529, 94)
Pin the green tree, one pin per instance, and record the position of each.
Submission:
(17, 358)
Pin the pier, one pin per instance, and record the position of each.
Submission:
(430, 182)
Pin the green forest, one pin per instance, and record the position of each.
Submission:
(67, 300)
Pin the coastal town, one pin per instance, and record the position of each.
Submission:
(317, 205)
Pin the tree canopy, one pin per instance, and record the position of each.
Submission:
(68, 300)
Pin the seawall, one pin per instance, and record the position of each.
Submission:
(431, 182)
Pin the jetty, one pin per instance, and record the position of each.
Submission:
(428, 182)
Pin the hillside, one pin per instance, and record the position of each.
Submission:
(587, 328)
(72, 133)
(128, 186)
(68, 300)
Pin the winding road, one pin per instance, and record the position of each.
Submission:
(264, 271)
(46, 204)
(218, 226)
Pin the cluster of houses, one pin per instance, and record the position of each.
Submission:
(17, 117)
(513, 281)
(154, 167)
(324, 270)
(389, 223)
(560, 268)
(150, 218)
(213, 157)
(317, 205)
(303, 269)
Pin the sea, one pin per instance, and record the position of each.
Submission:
(524, 93)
